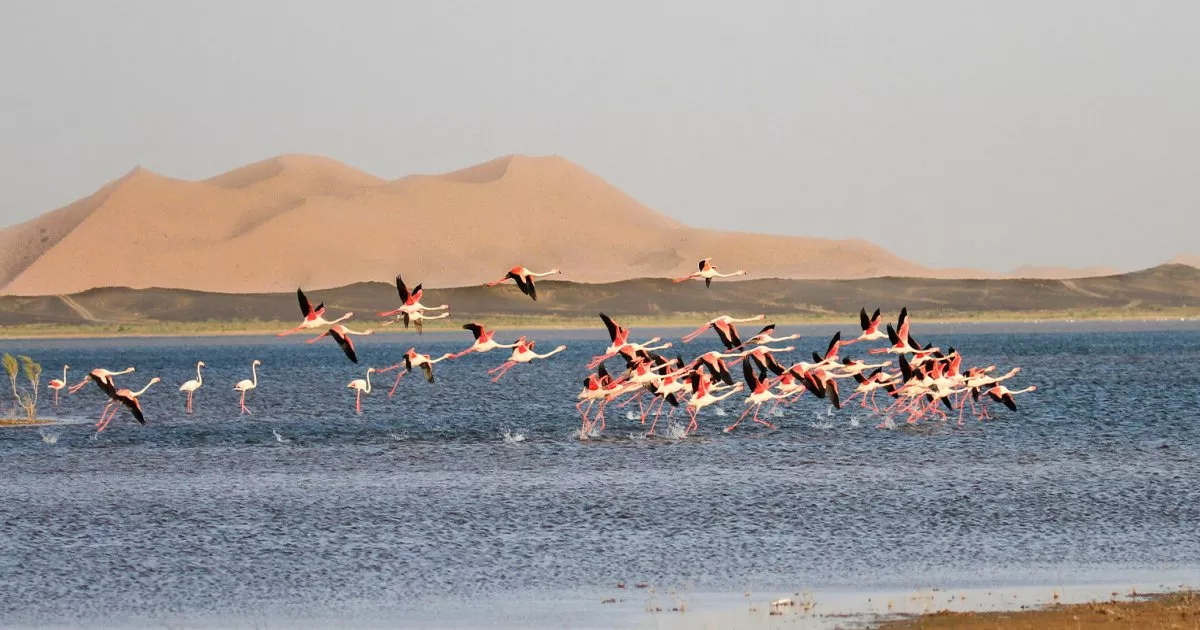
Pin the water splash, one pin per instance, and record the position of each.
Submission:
(675, 431)
(48, 438)
(513, 437)
(280, 438)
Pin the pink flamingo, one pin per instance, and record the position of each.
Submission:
(341, 335)
(760, 392)
(725, 329)
(703, 396)
(313, 316)
(522, 353)
(360, 387)
(131, 402)
(524, 279)
(246, 385)
(765, 337)
(484, 341)
(413, 359)
(191, 386)
(870, 327)
(58, 384)
(411, 307)
(708, 271)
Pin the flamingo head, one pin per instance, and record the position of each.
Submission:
(556, 271)
(412, 353)
(154, 380)
(200, 364)
(256, 362)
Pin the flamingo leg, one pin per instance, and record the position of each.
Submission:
(761, 421)
(397, 383)
(289, 332)
(358, 401)
(739, 420)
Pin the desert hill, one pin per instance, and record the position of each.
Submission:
(1147, 291)
(300, 220)
(1192, 260)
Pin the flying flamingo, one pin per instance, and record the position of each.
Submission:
(411, 305)
(413, 359)
(104, 380)
(130, 400)
(246, 385)
(522, 353)
(620, 343)
(418, 319)
(341, 335)
(708, 271)
(191, 386)
(314, 317)
(723, 325)
(703, 396)
(765, 336)
(57, 384)
(870, 327)
(524, 279)
(760, 392)
(360, 387)
(1002, 394)
(483, 340)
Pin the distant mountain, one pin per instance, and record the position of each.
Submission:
(1060, 273)
(299, 220)
(1140, 292)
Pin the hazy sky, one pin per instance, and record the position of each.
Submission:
(987, 134)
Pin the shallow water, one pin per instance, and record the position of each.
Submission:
(422, 512)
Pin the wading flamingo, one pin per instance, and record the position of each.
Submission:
(360, 387)
(246, 385)
(341, 335)
(708, 271)
(314, 317)
(191, 386)
(524, 279)
(58, 384)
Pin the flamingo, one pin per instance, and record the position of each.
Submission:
(870, 327)
(341, 335)
(620, 343)
(708, 271)
(765, 337)
(130, 400)
(522, 353)
(314, 317)
(524, 279)
(246, 385)
(57, 384)
(760, 392)
(191, 386)
(724, 326)
(414, 359)
(418, 319)
(703, 396)
(411, 304)
(483, 340)
(1002, 394)
(360, 387)
(104, 380)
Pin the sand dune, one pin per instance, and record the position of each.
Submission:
(307, 220)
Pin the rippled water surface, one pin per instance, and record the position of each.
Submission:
(304, 513)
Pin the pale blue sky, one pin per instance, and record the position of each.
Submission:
(986, 134)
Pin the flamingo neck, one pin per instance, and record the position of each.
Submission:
(254, 374)
(199, 377)
(368, 390)
(143, 390)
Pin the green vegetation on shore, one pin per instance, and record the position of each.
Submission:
(554, 321)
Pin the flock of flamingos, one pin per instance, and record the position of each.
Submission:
(927, 383)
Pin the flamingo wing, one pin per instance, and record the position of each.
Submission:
(135, 407)
(703, 264)
(428, 370)
(476, 329)
(748, 373)
(346, 344)
(532, 292)
(416, 295)
(402, 288)
(708, 283)
(305, 306)
(612, 326)
(521, 283)
(863, 320)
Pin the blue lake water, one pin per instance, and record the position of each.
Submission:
(307, 514)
